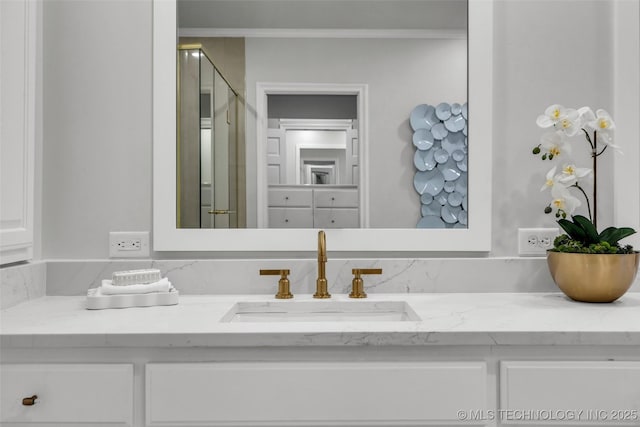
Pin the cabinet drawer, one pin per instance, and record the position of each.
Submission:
(335, 198)
(335, 218)
(302, 394)
(285, 197)
(603, 391)
(67, 393)
(290, 218)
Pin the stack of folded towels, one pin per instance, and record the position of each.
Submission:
(135, 282)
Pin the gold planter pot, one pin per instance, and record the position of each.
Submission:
(593, 277)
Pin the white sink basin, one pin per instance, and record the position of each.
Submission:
(320, 311)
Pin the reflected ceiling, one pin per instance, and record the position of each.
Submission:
(324, 14)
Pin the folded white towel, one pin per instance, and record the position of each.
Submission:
(107, 288)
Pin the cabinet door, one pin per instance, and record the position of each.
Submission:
(303, 394)
(17, 115)
(564, 392)
(67, 393)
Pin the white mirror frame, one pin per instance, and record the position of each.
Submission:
(475, 238)
(626, 174)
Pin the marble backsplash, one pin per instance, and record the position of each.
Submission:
(421, 275)
(241, 276)
(22, 282)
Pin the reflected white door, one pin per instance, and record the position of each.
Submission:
(276, 157)
(353, 171)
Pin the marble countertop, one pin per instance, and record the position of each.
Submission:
(446, 319)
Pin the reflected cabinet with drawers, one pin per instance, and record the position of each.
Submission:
(313, 207)
(461, 385)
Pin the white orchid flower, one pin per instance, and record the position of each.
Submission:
(563, 200)
(602, 122)
(570, 124)
(552, 115)
(564, 119)
(604, 126)
(586, 116)
(555, 144)
(551, 179)
(571, 174)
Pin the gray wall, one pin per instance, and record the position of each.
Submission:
(97, 124)
(97, 113)
(546, 52)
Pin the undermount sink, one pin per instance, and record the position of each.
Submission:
(320, 311)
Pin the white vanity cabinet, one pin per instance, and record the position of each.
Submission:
(412, 385)
(66, 394)
(558, 392)
(17, 139)
(313, 393)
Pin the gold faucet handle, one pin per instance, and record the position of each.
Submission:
(357, 284)
(358, 271)
(282, 273)
(283, 283)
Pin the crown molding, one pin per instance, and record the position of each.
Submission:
(322, 33)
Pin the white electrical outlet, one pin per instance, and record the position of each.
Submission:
(128, 244)
(536, 241)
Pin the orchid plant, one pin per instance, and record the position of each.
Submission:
(597, 128)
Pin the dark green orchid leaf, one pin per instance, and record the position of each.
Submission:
(613, 235)
(574, 231)
(587, 226)
(607, 234)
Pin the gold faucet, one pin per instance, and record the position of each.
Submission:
(321, 282)
(283, 283)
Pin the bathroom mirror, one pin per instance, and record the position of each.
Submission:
(321, 169)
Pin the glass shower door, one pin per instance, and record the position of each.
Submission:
(224, 165)
(207, 144)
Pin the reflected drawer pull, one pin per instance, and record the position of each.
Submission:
(29, 401)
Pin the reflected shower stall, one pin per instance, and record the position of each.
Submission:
(207, 149)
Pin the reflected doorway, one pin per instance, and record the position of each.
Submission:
(312, 158)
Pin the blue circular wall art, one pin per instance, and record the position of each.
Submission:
(440, 139)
